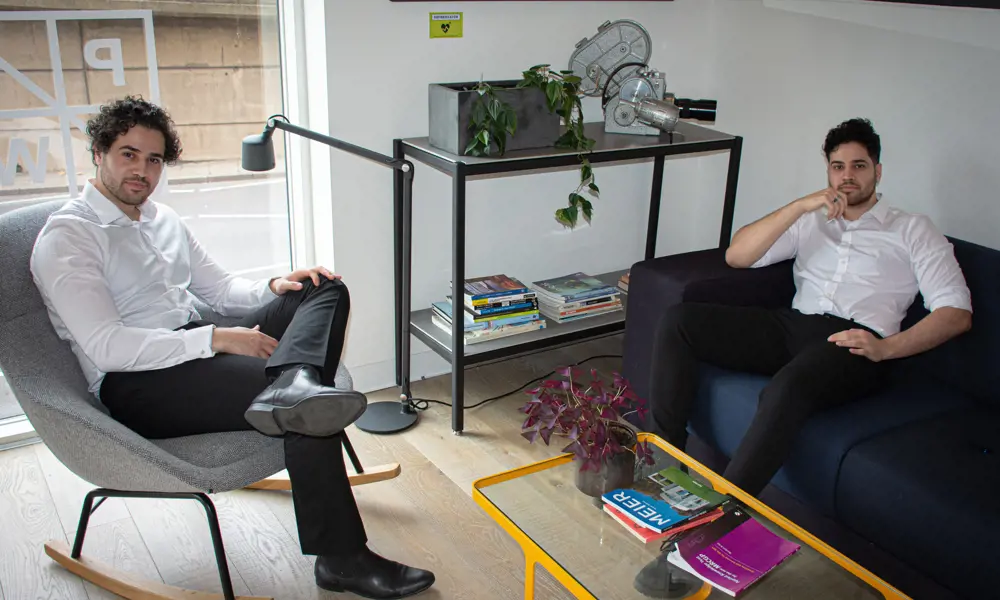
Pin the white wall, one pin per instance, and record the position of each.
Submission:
(783, 71)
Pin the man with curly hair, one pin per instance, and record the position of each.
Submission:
(120, 273)
(859, 264)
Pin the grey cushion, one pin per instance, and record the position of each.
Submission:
(47, 380)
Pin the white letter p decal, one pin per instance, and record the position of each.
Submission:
(113, 63)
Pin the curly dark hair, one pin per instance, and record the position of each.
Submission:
(854, 130)
(117, 118)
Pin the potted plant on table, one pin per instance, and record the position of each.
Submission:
(484, 118)
(589, 413)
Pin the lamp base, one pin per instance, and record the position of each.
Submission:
(386, 417)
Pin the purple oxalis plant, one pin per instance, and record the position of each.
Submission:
(588, 413)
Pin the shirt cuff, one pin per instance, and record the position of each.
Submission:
(267, 294)
(950, 298)
(763, 261)
(198, 342)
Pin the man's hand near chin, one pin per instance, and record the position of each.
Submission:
(293, 281)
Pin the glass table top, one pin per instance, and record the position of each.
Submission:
(604, 557)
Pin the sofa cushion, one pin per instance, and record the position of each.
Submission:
(968, 362)
(928, 493)
(728, 399)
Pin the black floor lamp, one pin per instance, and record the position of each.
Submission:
(258, 155)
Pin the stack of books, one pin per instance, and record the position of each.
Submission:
(714, 537)
(623, 281)
(575, 297)
(492, 307)
(664, 505)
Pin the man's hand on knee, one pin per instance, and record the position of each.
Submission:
(243, 341)
(292, 281)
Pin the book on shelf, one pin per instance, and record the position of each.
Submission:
(572, 288)
(517, 309)
(732, 552)
(574, 297)
(587, 303)
(488, 333)
(471, 323)
(492, 287)
(623, 281)
(561, 316)
(501, 302)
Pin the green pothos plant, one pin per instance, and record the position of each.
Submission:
(493, 120)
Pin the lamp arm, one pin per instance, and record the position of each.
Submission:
(393, 163)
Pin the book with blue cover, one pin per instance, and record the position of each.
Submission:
(472, 323)
(571, 288)
(643, 509)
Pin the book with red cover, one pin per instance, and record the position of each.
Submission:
(732, 552)
(648, 535)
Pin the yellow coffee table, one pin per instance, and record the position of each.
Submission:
(593, 556)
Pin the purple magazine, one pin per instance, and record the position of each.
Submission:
(733, 552)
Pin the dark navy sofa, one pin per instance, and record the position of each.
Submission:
(906, 482)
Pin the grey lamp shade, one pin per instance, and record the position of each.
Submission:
(258, 152)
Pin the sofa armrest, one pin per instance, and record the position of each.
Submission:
(704, 276)
(659, 283)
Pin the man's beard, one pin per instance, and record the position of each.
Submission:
(859, 194)
(122, 195)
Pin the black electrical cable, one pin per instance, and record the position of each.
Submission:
(423, 404)
(604, 92)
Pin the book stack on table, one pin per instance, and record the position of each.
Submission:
(713, 537)
(492, 307)
(574, 297)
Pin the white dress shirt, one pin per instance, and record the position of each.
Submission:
(871, 269)
(116, 288)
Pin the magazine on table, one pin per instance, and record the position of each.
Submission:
(732, 552)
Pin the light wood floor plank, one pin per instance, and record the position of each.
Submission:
(269, 560)
(29, 520)
(119, 545)
(68, 492)
(177, 537)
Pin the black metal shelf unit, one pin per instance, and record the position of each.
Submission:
(687, 139)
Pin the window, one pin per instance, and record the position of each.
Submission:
(215, 66)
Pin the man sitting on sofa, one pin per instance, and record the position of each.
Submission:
(119, 274)
(859, 264)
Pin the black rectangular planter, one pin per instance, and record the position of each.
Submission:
(450, 108)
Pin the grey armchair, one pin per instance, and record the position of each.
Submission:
(46, 379)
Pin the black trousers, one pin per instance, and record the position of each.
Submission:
(809, 373)
(211, 395)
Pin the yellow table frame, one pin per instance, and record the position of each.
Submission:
(534, 555)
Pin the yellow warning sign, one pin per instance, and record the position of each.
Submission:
(446, 25)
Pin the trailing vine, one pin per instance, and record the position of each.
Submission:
(493, 120)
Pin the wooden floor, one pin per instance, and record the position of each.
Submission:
(425, 517)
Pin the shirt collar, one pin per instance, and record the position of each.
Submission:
(106, 210)
(881, 210)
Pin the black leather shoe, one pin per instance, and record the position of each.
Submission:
(370, 576)
(661, 579)
(297, 402)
